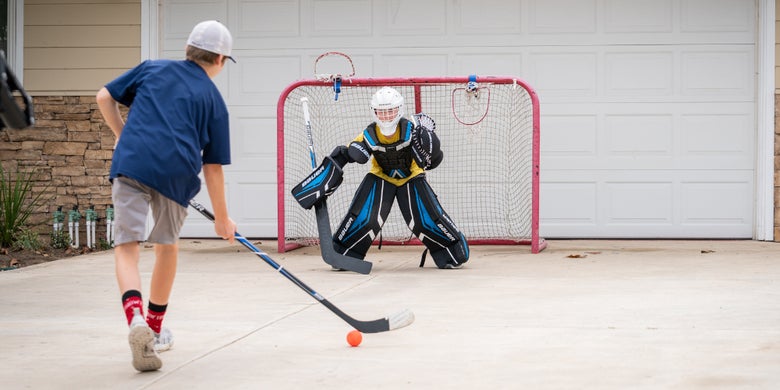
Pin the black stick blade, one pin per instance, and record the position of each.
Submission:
(329, 255)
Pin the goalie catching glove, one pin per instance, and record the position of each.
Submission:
(426, 147)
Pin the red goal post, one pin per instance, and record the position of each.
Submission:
(488, 182)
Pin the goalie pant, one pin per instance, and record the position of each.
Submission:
(421, 210)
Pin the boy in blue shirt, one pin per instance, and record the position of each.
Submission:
(177, 125)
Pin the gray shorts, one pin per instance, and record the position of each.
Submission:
(132, 201)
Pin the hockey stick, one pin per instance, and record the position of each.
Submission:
(333, 258)
(398, 320)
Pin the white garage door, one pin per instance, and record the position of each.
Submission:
(647, 105)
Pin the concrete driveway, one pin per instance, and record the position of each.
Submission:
(583, 314)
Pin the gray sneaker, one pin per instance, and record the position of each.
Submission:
(141, 340)
(163, 341)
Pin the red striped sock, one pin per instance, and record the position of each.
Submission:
(132, 300)
(154, 316)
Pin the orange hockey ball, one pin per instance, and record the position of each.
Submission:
(354, 338)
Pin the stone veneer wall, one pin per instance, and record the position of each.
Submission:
(70, 150)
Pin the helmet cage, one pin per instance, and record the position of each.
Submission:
(384, 100)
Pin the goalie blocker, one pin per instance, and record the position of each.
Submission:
(328, 176)
(319, 184)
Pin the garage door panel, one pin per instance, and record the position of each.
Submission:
(648, 16)
(258, 78)
(263, 18)
(717, 16)
(647, 204)
(562, 16)
(660, 73)
(564, 74)
(412, 17)
(180, 16)
(410, 64)
(638, 74)
(499, 64)
(639, 135)
(643, 136)
(249, 200)
(472, 16)
(724, 139)
(717, 202)
(628, 202)
(568, 136)
(253, 143)
(568, 201)
(725, 71)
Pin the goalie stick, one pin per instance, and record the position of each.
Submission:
(398, 320)
(329, 255)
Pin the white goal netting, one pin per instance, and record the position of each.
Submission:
(488, 181)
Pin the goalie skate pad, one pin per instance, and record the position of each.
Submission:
(452, 256)
(431, 224)
(319, 184)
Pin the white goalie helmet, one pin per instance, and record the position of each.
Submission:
(387, 107)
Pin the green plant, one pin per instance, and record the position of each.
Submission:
(60, 239)
(17, 202)
(104, 245)
(27, 239)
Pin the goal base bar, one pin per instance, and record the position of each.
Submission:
(541, 244)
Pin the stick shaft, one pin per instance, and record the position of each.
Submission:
(329, 255)
(375, 326)
(309, 137)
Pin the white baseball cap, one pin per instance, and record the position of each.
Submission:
(212, 36)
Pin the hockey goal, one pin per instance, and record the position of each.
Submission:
(488, 181)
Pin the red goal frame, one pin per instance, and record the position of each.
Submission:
(535, 242)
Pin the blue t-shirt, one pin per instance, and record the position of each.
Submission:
(177, 122)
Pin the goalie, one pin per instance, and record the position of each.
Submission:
(402, 151)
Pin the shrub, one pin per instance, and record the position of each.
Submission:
(16, 203)
(26, 239)
(60, 239)
(104, 245)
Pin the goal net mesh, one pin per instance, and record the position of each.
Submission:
(487, 181)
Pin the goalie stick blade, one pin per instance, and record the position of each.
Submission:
(329, 255)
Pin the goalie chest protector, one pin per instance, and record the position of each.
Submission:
(395, 158)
